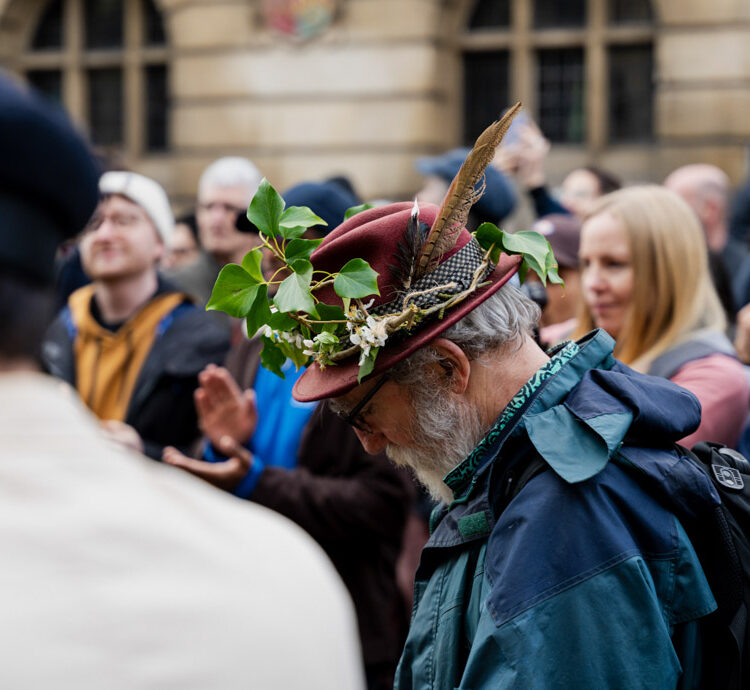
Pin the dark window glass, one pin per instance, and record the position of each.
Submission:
(490, 14)
(103, 21)
(560, 94)
(105, 106)
(48, 32)
(631, 93)
(629, 11)
(485, 90)
(554, 14)
(156, 108)
(153, 30)
(48, 81)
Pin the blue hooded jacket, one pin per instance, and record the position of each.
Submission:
(586, 578)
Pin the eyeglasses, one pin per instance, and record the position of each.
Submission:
(228, 209)
(122, 222)
(352, 417)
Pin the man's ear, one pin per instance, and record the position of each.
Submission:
(455, 363)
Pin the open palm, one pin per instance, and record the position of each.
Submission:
(223, 409)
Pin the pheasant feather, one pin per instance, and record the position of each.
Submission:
(409, 250)
(462, 195)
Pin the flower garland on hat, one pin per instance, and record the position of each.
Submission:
(296, 324)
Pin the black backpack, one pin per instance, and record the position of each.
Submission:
(722, 542)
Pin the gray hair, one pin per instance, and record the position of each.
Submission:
(501, 321)
(231, 171)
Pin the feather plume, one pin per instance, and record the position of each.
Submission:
(462, 195)
(409, 250)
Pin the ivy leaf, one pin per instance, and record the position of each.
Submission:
(301, 266)
(488, 234)
(328, 312)
(266, 209)
(234, 292)
(294, 292)
(354, 210)
(292, 233)
(272, 358)
(552, 274)
(252, 264)
(282, 322)
(368, 365)
(294, 353)
(356, 280)
(260, 311)
(534, 248)
(523, 271)
(326, 338)
(299, 217)
(300, 249)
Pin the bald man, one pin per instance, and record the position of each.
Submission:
(706, 190)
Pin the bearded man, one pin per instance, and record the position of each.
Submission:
(583, 578)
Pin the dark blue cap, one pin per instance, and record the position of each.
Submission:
(48, 181)
(328, 200)
(498, 199)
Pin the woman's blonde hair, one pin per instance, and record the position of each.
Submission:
(673, 294)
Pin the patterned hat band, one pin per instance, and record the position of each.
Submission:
(451, 277)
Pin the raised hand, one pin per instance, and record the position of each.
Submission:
(223, 409)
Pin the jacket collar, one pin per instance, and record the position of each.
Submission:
(469, 517)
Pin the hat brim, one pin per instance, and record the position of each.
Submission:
(336, 380)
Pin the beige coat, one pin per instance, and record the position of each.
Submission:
(119, 572)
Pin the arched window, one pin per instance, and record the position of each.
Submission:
(583, 68)
(105, 61)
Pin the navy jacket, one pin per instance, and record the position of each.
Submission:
(586, 578)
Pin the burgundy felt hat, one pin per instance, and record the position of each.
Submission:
(374, 236)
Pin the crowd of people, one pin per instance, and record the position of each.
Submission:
(452, 574)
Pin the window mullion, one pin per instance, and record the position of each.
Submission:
(74, 81)
(133, 78)
(522, 59)
(595, 72)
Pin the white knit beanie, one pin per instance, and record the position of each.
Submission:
(145, 192)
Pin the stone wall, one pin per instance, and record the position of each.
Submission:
(383, 85)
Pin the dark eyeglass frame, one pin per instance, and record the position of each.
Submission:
(352, 417)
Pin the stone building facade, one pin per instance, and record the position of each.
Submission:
(636, 86)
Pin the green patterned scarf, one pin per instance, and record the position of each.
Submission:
(459, 478)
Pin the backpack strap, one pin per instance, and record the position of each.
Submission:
(702, 345)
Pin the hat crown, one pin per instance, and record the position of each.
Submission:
(375, 235)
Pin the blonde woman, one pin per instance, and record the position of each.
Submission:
(645, 280)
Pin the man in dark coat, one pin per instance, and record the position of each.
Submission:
(130, 343)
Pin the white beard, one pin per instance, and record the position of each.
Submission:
(445, 430)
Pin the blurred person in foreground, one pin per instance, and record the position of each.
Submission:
(305, 463)
(582, 579)
(225, 190)
(131, 343)
(645, 280)
(120, 572)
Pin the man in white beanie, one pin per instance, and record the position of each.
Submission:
(131, 343)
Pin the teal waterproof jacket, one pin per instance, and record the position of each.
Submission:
(585, 579)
